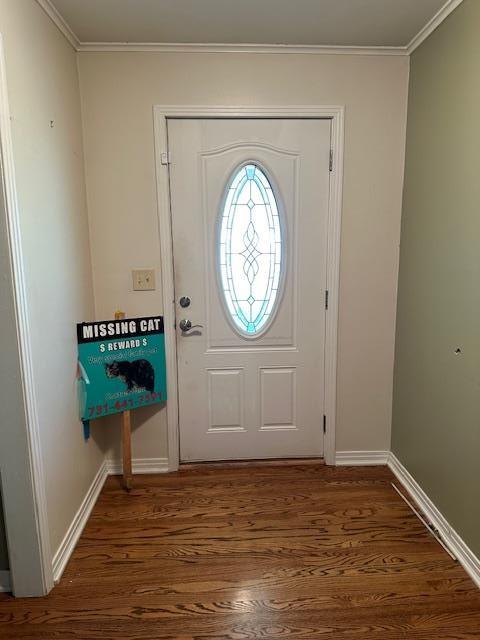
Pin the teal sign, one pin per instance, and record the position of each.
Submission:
(121, 366)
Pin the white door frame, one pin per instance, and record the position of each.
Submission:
(337, 115)
(24, 496)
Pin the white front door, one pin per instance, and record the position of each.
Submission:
(249, 203)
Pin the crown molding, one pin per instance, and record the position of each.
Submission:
(176, 47)
(432, 24)
(58, 20)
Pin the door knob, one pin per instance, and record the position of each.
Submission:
(186, 325)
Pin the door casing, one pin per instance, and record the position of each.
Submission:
(22, 476)
(337, 115)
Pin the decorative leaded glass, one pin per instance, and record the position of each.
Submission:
(250, 251)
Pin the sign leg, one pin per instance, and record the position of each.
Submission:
(127, 449)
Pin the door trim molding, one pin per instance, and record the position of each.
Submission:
(40, 538)
(337, 116)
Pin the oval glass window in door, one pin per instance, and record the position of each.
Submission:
(251, 256)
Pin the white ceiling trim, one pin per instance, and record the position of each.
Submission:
(430, 27)
(176, 47)
(166, 47)
(52, 12)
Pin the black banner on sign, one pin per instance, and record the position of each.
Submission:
(94, 331)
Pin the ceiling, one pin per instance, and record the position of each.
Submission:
(358, 23)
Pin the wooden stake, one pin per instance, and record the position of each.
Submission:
(126, 436)
(127, 450)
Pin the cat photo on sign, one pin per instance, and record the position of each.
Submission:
(138, 374)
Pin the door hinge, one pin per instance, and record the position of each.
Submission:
(330, 163)
(326, 299)
(165, 157)
(324, 423)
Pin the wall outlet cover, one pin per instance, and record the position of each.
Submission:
(143, 279)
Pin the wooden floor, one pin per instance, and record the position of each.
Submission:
(273, 552)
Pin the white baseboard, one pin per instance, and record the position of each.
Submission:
(450, 537)
(139, 465)
(62, 556)
(108, 467)
(361, 458)
(5, 585)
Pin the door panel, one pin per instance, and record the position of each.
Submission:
(250, 395)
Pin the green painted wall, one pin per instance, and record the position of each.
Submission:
(436, 408)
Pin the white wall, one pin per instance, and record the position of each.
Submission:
(118, 92)
(43, 87)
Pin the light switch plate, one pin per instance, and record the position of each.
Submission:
(143, 279)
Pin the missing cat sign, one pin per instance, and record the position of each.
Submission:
(121, 366)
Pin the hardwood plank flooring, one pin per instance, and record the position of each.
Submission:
(253, 552)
